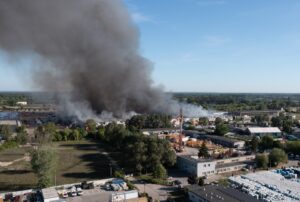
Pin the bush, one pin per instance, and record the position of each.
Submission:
(8, 145)
(262, 161)
(277, 156)
(160, 172)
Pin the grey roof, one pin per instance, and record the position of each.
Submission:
(228, 165)
(216, 193)
(49, 193)
(225, 139)
(190, 158)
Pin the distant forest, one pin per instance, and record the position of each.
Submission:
(240, 101)
(218, 101)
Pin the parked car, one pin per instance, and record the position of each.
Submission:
(64, 194)
(73, 191)
(79, 191)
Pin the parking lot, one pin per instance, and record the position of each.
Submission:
(92, 195)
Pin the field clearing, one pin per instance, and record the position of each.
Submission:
(13, 154)
(77, 161)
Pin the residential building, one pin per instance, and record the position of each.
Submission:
(217, 193)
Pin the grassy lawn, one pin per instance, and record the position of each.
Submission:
(13, 154)
(77, 161)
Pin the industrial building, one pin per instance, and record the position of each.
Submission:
(215, 193)
(263, 131)
(205, 167)
(225, 142)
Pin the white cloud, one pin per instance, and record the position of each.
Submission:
(215, 40)
(140, 18)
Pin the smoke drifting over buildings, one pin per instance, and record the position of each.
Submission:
(87, 50)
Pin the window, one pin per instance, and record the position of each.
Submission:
(208, 165)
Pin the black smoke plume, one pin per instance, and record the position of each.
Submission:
(87, 50)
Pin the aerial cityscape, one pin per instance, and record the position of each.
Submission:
(149, 101)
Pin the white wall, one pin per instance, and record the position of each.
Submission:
(205, 168)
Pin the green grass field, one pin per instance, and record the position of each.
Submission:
(77, 161)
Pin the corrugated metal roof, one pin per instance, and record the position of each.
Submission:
(264, 130)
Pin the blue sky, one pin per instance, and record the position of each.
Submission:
(213, 45)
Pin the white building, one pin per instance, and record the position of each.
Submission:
(263, 131)
(23, 103)
(124, 196)
(205, 167)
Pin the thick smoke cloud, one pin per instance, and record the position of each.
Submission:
(87, 50)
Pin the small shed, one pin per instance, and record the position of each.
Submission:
(50, 195)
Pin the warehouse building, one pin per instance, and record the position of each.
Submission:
(263, 131)
(225, 142)
(215, 193)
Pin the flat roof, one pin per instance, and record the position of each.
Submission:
(196, 160)
(217, 193)
(226, 139)
(264, 130)
(49, 193)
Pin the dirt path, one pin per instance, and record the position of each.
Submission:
(8, 163)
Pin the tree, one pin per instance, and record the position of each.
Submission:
(203, 121)
(6, 132)
(254, 144)
(277, 156)
(218, 121)
(221, 129)
(45, 133)
(159, 172)
(91, 126)
(21, 138)
(262, 161)
(43, 164)
(266, 142)
(203, 151)
(201, 181)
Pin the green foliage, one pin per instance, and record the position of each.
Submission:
(293, 147)
(119, 174)
(284, 122)
(254, 144)
(21, 138)
(45, 133)
(203, 121)
(201, 181)
(262, 160)
(8, 145)
(148, 121)
(160, 172)
(143, 153)
(91, 126)
(221, 129)
(224, 182)
(151, 180)
(43, 164)
(203, 151)
(6, 132)
(266, 142)
(277, 156)
(239, 102)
